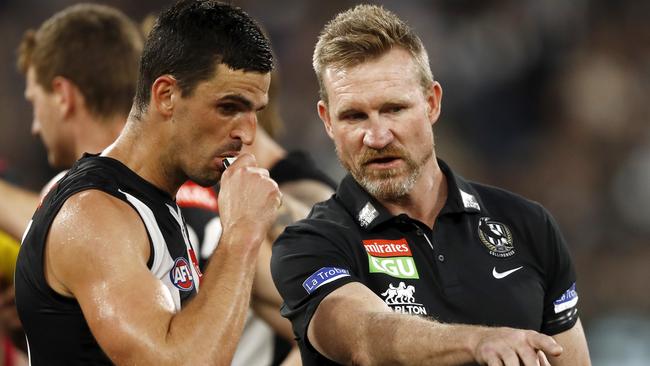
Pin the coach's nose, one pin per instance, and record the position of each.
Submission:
(378, 134)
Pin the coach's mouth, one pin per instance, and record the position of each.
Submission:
(384, 162)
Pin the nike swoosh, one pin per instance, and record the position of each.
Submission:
(500, 275)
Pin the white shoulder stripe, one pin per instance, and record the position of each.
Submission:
(162, 261)
(157, 239)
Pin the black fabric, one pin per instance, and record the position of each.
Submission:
(56, 330)
(449, 273)
(298, 165)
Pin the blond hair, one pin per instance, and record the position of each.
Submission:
(363, 33)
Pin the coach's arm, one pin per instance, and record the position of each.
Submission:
(354, 326)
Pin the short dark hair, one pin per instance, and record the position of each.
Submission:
(94, 46)
(191, 38)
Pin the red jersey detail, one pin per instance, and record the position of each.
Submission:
(195, 263)
(8, 350)
(193, 195)
(387, 248)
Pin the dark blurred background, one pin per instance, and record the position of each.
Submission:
(549, 99)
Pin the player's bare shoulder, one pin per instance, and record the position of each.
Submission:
(91, 230)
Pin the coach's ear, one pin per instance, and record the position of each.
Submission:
(434, 98)
(164, 92)
(323, 113)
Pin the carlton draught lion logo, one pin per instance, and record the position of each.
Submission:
(181, 275)
(401, 299)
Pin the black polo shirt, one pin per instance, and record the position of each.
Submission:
(492, 258)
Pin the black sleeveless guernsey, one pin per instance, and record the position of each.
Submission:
(57, 333)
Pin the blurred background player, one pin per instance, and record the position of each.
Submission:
(81, 74)
(295, 171)
(81, 69)
(12, 341)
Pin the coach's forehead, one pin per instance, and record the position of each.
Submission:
(390, 75)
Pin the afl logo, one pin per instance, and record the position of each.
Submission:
(496, 237)
(181, 275)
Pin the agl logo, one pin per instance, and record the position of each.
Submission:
(181, 275)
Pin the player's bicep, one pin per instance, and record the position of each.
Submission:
(574, 343)
(100, 256)
(337, 327)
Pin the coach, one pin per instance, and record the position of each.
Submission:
(406, 236)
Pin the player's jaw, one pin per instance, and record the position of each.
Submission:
(211, 172)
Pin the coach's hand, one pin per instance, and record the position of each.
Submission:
(514, 347)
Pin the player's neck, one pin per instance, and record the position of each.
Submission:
(140, 150)
(427, 197)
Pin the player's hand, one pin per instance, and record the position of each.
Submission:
(514, 347)
(248, 198)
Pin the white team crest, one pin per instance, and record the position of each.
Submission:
(469, 201)
(367, 214)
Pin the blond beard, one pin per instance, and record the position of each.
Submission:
(390, 185)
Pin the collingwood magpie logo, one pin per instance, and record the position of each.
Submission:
(496, 237)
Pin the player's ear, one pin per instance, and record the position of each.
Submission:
(164, 92)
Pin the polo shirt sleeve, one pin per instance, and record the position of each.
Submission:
(561, 298)
(307, 265)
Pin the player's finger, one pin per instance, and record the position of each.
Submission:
(261, 171)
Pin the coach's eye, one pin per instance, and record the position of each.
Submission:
(354, 116)
(393, 108)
